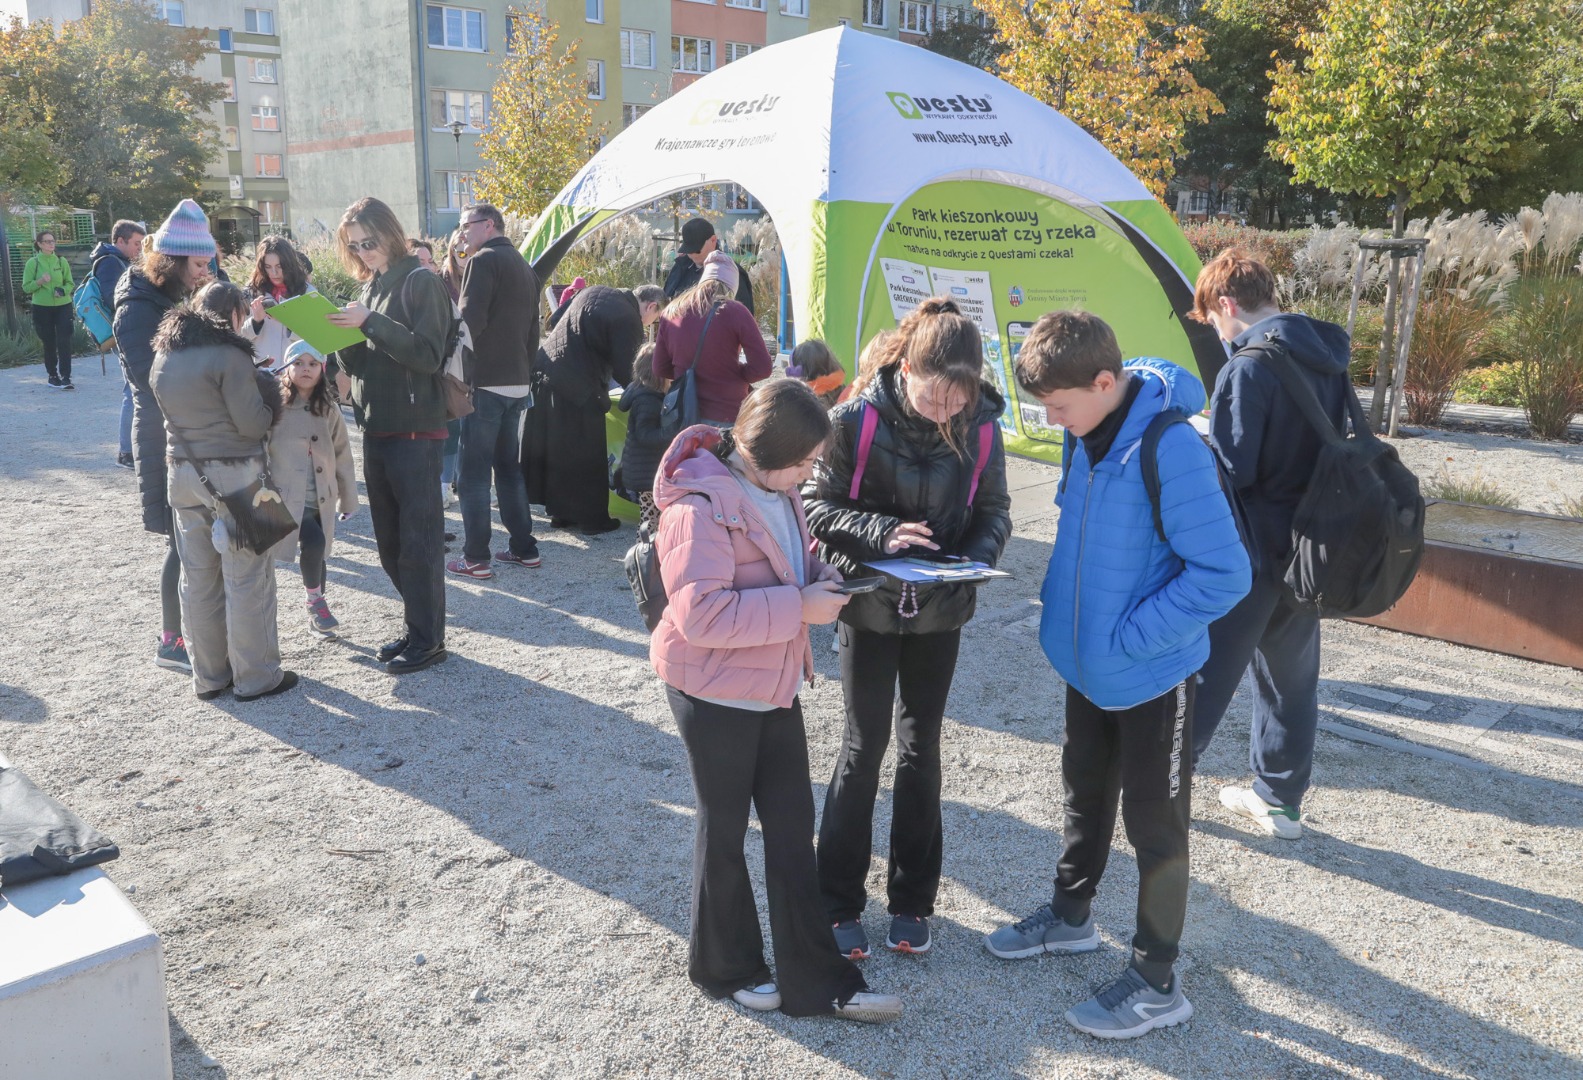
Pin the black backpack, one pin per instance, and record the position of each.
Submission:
(1358, 531)
(642, 564)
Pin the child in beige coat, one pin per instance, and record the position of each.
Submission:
(310, 458)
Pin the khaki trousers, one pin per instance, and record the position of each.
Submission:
(227, 596)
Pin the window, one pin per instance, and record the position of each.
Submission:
(594, 10)
(843, 22)
(471, 107)
(751, 5)
(267, 165)
(796, 8)
(915, 16)
(271, 212)
(258, 20)
(596, 79)
(230, 88)
(736, 200)
(261, 71)
(458, 190)
(692, 54)
(637, 48)
(630, 113)
(233, 139)
(266, 117)
(455, 28)
(225, 38)
(699, 199)
(735, 50)
(171, 11)
(874, 13)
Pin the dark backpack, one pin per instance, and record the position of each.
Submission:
(1149, 460)
(642, 564)
(1358, 531)
(680, 410)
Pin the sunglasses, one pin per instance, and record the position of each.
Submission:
(363, 245)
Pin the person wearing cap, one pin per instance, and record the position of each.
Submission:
(310, 459)
(175, 263)
(705, 324)
(565, 453)
(698, 243)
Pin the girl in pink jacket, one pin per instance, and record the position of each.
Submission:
(732, 648)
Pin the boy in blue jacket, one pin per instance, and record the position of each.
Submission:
(1125, 623)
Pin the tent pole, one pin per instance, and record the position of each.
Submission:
(788, 333)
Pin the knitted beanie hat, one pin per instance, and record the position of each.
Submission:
(185, 232)
(718, 266)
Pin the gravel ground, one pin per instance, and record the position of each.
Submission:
(483, 870)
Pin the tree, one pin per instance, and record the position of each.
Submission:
(1413, 99)
(973, 43)
(541, 129)
(1122, 74)
(126, 117)
(30, 172)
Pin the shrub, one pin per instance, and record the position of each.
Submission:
(620, 254)
(1570, 506)
(1467, 489)
(1275, 249)
(23, 347)
(1546, 334)
(1497, 384)
(1449, 333)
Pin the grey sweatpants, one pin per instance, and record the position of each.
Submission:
(227, 596)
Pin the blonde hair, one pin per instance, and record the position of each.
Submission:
(700, 298)
(869, 361)
(380, 223)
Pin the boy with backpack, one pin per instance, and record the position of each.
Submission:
(1270, 450)
(1125, 623)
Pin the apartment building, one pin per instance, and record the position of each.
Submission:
(247, 187)
(388, 98)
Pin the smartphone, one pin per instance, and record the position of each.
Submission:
(852, 586)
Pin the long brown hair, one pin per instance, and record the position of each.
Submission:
(291, 267)
(319, 400)
(167, 273)
(939, 342)
(380, 223)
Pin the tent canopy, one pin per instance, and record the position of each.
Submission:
(893, 173)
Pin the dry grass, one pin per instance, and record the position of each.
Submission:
(1449, 333)
(1471, 488)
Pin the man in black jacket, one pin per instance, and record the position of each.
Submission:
(110, 261)
(698, 240)
(500, 305)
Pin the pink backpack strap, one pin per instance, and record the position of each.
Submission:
(865, 442)
(986, 443)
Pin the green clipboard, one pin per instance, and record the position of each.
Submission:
(304, 316)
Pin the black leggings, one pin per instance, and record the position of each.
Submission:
(311, 542)
(170, 588)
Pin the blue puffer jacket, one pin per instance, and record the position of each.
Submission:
(1126, 617)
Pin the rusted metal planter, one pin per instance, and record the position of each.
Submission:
(1508, 581)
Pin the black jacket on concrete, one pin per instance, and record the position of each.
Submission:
(912, 474)
(500, 304)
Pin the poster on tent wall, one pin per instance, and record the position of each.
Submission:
(1007, 255)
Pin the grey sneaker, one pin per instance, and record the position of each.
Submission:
(1130, 1007)
(908, 934)
(851, 940)
(1042, 932)
(324, 624)
(867, 1007)
(1282, 821)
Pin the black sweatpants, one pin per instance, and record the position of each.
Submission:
(311, 545)
(1142, 758)
(53, 325)
(741, 758)
(403, 480)
(875, 670)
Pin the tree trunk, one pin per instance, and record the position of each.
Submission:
(1387, 363)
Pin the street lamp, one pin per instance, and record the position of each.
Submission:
(457, 127)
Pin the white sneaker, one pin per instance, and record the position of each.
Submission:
(447, 496)
(870, 1008)
(1282, 821)
(765, 997)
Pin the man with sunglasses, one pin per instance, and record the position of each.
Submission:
(499, 302)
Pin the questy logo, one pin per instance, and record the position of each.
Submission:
(715, 111)
(929, 106)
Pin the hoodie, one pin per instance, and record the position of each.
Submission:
(108, 265)
(1126, 616)
(1256, 428)
(733, 628)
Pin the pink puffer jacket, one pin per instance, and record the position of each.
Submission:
(733, 628)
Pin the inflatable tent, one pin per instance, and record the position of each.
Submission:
(893, 174)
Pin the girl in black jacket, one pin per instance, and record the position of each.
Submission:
(644, 401)
(922, 488)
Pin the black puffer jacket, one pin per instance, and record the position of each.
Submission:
(139, 307)
(911, 475)
(646, 439)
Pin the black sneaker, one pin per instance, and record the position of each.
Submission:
(288, 679)
(54, 380)
(908, 934)
(391, 649)
(125, 461)
(850, 939)
(412, 660)
(65, 384)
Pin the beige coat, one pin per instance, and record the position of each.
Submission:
(302, 441)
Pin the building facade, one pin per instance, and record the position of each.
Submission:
(247, 189)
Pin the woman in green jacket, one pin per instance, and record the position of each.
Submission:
(47, 281)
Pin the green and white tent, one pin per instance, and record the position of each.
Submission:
(893, 174)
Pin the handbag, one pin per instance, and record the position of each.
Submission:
(680, 410)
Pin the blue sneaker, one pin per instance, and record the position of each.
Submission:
(851, 940)
(1042, 932)
(908, 934)
(1130, 1007)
